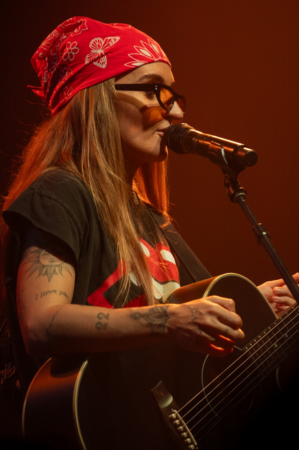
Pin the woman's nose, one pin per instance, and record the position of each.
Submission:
(175, 112)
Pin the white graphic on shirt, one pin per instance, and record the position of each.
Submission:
(133, 279)
(162, 291)
(167, 256)
(161, 288)
(145, 249)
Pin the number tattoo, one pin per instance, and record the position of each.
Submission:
(103, 321)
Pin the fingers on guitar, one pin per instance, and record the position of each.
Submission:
(214, 350)
(226, 303)
(283, 306)
(234, 335)
(232, 320)
(283, 301)
(227, 314)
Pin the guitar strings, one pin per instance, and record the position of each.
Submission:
(234, 363)
(238, 393)
(280, 322)
(240, 374)
(203, 433)
(258, 378)
(241, 356)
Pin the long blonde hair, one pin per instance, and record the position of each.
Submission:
(84, 139)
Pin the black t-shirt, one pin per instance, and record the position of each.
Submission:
(60, 204)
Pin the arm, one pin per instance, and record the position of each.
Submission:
(52, 325)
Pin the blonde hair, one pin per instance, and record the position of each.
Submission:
(84, 139)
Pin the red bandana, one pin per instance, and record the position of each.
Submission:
(82, 52)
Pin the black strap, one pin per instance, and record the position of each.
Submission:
(189, 260)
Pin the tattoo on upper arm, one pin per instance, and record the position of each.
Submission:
(155, 319)
(52, 291)
(48, 262)
(103, 321)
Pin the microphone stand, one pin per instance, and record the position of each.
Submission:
(237, 194)
(232, 158)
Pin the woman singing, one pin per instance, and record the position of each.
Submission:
(89, 266)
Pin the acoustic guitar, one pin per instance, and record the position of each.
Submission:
(162, 397)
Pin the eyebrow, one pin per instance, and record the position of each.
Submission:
(153, 77)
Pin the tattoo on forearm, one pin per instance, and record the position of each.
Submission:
(155, 319)
(49, 328)
(194, 312)
(52, 291)
(103, 321)
(48, 262)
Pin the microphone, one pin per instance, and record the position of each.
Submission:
(227, 154)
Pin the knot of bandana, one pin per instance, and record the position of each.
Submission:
(82, 52)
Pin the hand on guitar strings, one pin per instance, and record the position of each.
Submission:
(278, 294)
(209, 325)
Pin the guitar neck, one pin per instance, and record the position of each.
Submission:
(275, 343)
(260, 357)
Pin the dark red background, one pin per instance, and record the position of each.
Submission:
(237, 63)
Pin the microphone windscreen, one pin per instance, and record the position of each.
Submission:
(172, 136)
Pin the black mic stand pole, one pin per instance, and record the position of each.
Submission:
(237, 194)
(231, 169)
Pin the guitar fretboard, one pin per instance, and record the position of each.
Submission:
(275, 343)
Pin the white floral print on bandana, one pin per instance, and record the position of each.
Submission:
(98, 47)
(70, 51)
(148, 51)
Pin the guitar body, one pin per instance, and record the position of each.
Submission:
(106, 401)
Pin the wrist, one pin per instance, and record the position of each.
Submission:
(170, 326)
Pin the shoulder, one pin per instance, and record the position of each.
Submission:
(60, 185)
(57, 203)
(55, 190)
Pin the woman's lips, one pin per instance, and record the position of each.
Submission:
(161, 132)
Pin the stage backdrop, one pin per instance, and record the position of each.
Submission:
(236, 61)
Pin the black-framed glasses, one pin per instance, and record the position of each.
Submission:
(165, 95)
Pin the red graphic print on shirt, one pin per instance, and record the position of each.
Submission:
(164, 272)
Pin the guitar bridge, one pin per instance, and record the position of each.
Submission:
(171, 416)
